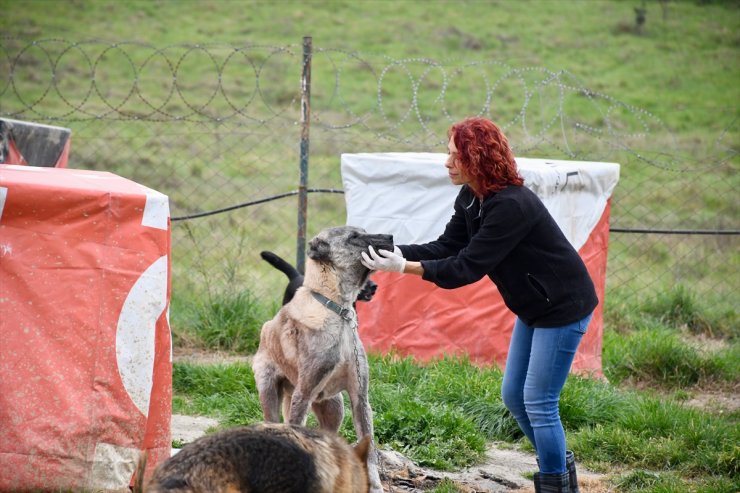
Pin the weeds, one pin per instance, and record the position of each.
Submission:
(433, 435)
(652, 434)
(659, 357)
(441, 414)
(447, 486)
(227, 322)
(434, 424)
(646, 343)
(679, 307)
(225, 391)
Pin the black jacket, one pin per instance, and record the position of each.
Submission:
(512, 238)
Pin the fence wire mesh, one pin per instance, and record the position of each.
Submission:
(218, 127)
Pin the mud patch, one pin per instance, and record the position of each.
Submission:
(199, 356)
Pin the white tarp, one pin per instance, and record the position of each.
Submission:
(410, 194)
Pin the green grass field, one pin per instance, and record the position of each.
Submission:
(200, 100)
(637, 429)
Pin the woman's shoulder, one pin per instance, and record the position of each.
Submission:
(518, 192)
(515, 196)
(511, 192)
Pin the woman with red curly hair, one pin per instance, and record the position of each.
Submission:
(501, 229)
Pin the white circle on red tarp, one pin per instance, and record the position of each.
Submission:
(136, 330)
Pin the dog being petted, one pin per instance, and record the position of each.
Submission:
(310, 352)
(265, 458)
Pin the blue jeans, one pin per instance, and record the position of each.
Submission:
(536, 368)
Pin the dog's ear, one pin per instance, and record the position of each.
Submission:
(362, 449)
(319, 250)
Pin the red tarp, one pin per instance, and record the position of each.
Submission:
(85, 366)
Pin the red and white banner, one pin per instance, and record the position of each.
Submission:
(410, 196)
(85, 349)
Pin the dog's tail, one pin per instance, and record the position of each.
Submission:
(280, 264)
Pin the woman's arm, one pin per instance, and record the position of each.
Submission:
(413, 268)
(503, 226)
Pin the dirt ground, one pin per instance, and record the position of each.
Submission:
(504, 469)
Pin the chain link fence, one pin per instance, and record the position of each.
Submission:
(218, 129)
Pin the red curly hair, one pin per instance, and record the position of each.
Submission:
(484, 153)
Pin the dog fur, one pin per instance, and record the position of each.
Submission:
(308, 355)
(265, 458)
(295, 278)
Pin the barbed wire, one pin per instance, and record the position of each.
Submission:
(209, 124)
(18, 56)
(223, 100)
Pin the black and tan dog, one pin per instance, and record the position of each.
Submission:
(310, 352)
(265, 458)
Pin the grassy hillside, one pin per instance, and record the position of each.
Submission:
(682, 66)
(200, 100)
(568, 79)
(174, 94)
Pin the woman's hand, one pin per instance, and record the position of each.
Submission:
(384, 260)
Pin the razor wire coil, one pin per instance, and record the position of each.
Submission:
(209, 124)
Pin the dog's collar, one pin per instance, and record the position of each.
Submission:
(345, 313)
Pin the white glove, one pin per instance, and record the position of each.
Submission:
(384, 260)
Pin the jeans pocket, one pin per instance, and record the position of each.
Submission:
(582, 325)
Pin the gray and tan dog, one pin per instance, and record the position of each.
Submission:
(265, 458)
(310, 352)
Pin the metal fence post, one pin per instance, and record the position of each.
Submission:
(303, 185)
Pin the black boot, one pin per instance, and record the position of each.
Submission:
(551, 483)
(570, 465)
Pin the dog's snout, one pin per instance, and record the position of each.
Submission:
(384, 241)
(379, 241)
